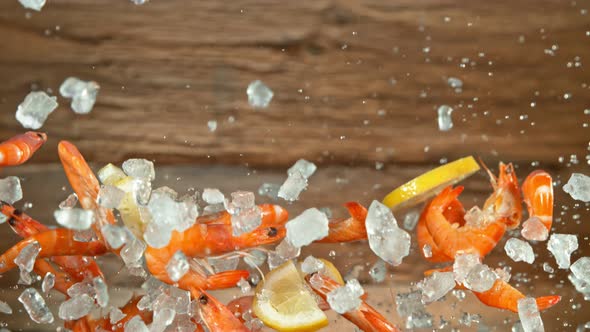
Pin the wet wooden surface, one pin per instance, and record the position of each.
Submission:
(355, 81)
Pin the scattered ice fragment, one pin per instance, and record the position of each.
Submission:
(101, 292)
(142, 189)
(222, 264)
(477, 218)
(245, 220)
(35, 306)
(534, 230)
(48, 282)
(519, 251)
(578, 187)
(436, 286)
(292, 187)
(346, 298)
(255, 258)
(547, 268)
(503, 273)
(455, 83)
(110, 196)
(116, 236)
(132, 252)
(139, 169)
(283, 252)
(463, 265)
(378, 271)
(178, 266)
(580, 285)
(77, 219)
(269, 190)
(213, 196)
(468, 319)
(35, 109)
(139, 2)
(410, 306)
(162, 318)
(76, 307)
(33, 4)
(427, 250)
(82, 287)
(480, 278)
(304, 167)
(386, 239)
(10, 189)
(70, 202)
(311, 265)
(212, 125)
(562, 246)
(581, 269)
(5, 308)
(116, 315)
(83, 94)
(167, 215)
(445, 122)
(26, 257)
(111, 174)
(259, 95)
(411, 220)
(528, 312)
(135, 324)
(244, 286)
(419, 320)
(309, 226)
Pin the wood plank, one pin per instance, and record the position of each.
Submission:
(169, 67)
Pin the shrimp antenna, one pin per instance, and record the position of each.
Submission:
(493, 177)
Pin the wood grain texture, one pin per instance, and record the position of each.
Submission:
(168, 67)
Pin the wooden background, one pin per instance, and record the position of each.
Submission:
(355, 83)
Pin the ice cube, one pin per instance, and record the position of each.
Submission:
(76, 307)
(83, 94)
(212, 125)
(83, 287)
(519, 250)
(70, 202)
(304, 167)
(463, 264)
(411, 220)
(26, 257)
(346, 298)
(132, 252)
(10, 189)
(562, 246)
(242, 199)
(162, 318)
(167, 215)
(101, 292)
(386, 239)
(477, 218)
(259, 95)
(48, 282)
(580, 285)
(419, 320)
(480, 278)
(213, 196)
(436, 286)
(427, 250)
(547, 268)
(378, 271)
(116, 315)
(116, 236)
(578, 187)
(529, 315)
(311, 264)
(269, 190)
(309, 226)
(244, 286)
(445, 122)
(139, 169)
(142, 189)
(5, 308)
(35, 109)
(246, 220)
(224, 263)
(35, 306)
(409, 303)
(135, 324)
(77, 219)
(33, 4)
(283, 252)
(292, 187)
(581, 269)
(534, 230)
(177, 266)
(110, 196)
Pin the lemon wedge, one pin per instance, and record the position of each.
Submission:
(430, 183)
(284, 303)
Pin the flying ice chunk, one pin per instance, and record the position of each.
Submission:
(534, 230)
(77, 219)
(427, 250)
(35, 306)
(386, 239)
(292, 187)
(282, 253)
(116, 315)
(101, 292)
(562, 246)
(76, 307)
(10, 189)
(5, 308)
(213, 196)
(167, 215)
(245, 216)
(578, 187)
(480, 278)
(463, 265)
(162, 318)
(346, 298)
(26, 257)
(411, 220)
(529, 315)
(581, 269)
(178, 266)
(455, 83)
(116, 236)
(304, 167)
(48, 282)
(378, 271)
(580, 285)
(419, 320)
(259, 95)
(110, 196)
(436, 286)
(409, 303)
(445, 122)
(309, 226)
(270, 190)
(212, 125)
(83, 94)
(82, 287)
(139, 169)
(244, 286)
(311, 264)
(242, 200)
(519, 251)
(132, 252)
(33, 4)
(135, 324)
(35, 109)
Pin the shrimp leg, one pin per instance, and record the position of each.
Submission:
(20, 148)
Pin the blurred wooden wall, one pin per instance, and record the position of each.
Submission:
(355, 81)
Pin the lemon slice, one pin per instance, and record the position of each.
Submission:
(430, 183)
(284, 303)
(329, 270)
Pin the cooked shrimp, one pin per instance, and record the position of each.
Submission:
(537, 191)
(349, 229)
(505, 201)
(20, 148)
(216, 316)
(365, 317)
(454, 214)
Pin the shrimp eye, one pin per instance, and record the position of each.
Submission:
(203, 299)
(40, 135)
(12, 222)
(17, 212)
(272, 232)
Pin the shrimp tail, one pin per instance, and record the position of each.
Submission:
(20, 148)
(447, 196)
(546, 302)
(356, 210)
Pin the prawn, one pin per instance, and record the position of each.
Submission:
(20, 148)
(349, 229)
(537, 191)
(215, 316)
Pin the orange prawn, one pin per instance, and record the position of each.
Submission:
(349, 229)
(20, 148)
(537, 191)
(215, 316)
